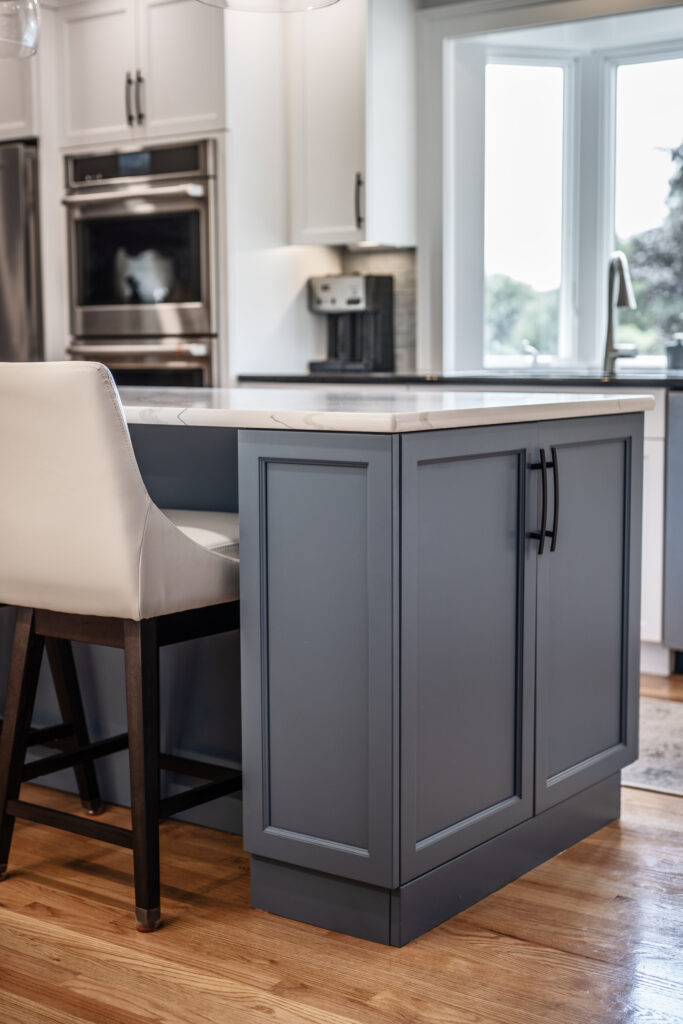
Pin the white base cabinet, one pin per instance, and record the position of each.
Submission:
(652, 601)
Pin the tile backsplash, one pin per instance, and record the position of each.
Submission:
(400, 264)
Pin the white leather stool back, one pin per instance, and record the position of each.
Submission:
(78, 530)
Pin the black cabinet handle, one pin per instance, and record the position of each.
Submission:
(139, 82)
(541, 534)
(357, 200)
(129, 108)
(556, 497)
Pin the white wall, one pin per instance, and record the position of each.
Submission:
(269, 326)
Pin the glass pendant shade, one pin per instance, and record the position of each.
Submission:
(19, 27)
(270, 6)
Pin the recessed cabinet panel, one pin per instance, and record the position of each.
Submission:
(181, 47)
(587, 589)
(468, 587)
(317, 547)
(318, 734)
(98, 52)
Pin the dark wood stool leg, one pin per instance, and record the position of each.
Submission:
(27, 653)
(62, 665)
(142, 696)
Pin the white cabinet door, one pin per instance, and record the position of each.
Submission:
(653, 541)
(97, 55)
(17, 118)
(181, 59)
(327, 123)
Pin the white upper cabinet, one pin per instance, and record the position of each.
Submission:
(17, 108)
(352, 123)
(181, 48)
(97, 43)
(135, 69)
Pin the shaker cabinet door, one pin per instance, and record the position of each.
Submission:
(588, 606)
(327, 124)
(17, 104)
(468, 580)
(181, 62)
(97, 42)
(318, 529)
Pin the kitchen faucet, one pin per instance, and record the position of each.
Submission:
(619, 294)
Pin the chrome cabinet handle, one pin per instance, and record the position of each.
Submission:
(129, 109)
(139, 82)
(357, 200)
(540, 534)
(556, 497)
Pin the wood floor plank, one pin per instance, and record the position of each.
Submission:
(666, 687)
(595, 935)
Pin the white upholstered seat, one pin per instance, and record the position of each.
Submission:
(216, 531)
(78, 531)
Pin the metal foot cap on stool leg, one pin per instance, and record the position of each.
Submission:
(93, 807)
(147, 920)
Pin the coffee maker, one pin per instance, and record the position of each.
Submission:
(360, 322)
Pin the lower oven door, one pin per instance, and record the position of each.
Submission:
(172, 362)
(141, 261)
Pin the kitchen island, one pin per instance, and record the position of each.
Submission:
(439, 634)
(440, 599)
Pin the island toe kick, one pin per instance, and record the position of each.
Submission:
(396, 916)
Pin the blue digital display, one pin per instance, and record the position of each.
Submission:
(130, 164)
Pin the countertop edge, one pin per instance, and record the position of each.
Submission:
(370, 422)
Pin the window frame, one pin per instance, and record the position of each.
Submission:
(590, 237)
(459, 178)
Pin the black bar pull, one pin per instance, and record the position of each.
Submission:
(540, 535)
(357, 200)
(556, 497)
(129, 108)
(139, 82)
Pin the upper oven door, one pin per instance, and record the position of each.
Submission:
(140, 261)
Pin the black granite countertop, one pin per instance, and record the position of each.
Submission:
(642, 378)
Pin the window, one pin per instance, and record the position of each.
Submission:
(648, 215)
(523, 192)
(561, 143)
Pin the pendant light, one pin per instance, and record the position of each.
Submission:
(19, 25)
(270, 6)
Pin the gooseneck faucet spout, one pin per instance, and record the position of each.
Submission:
(619, 295)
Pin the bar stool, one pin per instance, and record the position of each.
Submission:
(86, 555)
(72, 732)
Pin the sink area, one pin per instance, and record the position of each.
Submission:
(561, 376)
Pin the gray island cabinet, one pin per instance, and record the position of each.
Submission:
(436, 698)
(439, 631)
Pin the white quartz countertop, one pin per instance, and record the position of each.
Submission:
(387, 412)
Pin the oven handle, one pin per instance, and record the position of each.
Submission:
(193, 191)
(198, 349)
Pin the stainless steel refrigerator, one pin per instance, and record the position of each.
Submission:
(21, 323)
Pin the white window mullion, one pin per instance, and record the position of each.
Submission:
(463, 294)
(568, 326)
(595, 214)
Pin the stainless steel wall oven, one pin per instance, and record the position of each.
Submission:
(142, 254)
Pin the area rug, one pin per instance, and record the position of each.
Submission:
(660, 765)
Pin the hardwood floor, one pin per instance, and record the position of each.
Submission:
(595, 935)
(666, 687)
